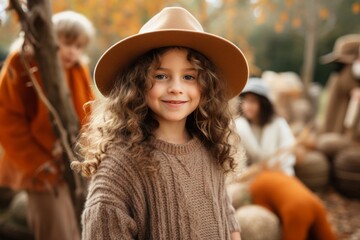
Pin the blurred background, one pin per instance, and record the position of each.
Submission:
(275, 35)
(283, 41)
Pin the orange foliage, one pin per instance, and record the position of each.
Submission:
(289, 3)
(324, 13)
(284, 17)
(356, 8)
(296, 22)
(293, 11)
(261, 18)
(279, 27)
(117, 19)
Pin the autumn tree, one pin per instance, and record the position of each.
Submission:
(312, 19)
(117, 19)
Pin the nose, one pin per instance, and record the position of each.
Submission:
(73, 50)
(175, 86)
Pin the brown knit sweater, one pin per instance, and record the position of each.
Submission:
(186, 199)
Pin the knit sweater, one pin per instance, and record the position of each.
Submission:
(185, 199)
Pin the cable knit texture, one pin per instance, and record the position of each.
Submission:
(185, 199)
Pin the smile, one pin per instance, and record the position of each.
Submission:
(174, 102)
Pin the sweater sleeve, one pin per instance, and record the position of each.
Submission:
(233, 223)
(105, 221)
(112, 208)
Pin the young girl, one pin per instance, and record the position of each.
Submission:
(157, 145)
(26, 135)
(262, 132)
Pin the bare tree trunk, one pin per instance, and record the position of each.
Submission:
(52, 75)
(37, 26)
(310, 46)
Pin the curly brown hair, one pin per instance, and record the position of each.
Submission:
(124, 117)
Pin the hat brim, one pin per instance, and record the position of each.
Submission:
(332, 57)
(228, 59)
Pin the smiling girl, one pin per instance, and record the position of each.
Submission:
(157, 144)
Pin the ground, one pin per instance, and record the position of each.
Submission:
(343, 214)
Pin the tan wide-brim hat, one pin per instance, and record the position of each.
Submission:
(173, 26)
(346, 50)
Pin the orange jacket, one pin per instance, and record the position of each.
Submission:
(26, 134)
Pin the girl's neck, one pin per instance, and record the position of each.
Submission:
(173, 133)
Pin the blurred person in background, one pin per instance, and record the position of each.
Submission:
(32, 160)
(268, 142)
(262, 132)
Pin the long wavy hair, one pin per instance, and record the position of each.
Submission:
(123, 118)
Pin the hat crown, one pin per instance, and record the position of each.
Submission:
(348, 43)
(173, 26)
(175, 18)
(257, 86)
(346, 49)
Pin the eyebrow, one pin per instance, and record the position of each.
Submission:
(186, 69)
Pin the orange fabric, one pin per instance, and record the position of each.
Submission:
(26, 134)
(301, 213)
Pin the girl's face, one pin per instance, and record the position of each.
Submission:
(175, 92)
(250, 107)
(71, 51)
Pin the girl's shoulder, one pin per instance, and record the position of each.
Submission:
(115, 180)
(115, 159)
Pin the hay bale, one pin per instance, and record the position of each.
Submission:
(239, 194)
(347, 172)
(258, 223)
(332, 143)
(314, 170)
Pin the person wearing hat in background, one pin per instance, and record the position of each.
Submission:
(262, 132)
(157, 142)
(268, 139)
(341, 113)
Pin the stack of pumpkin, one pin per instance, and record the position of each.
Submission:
(312, 166)
(344, 156)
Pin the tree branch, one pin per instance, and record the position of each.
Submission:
(62, 131)
(25, 22)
